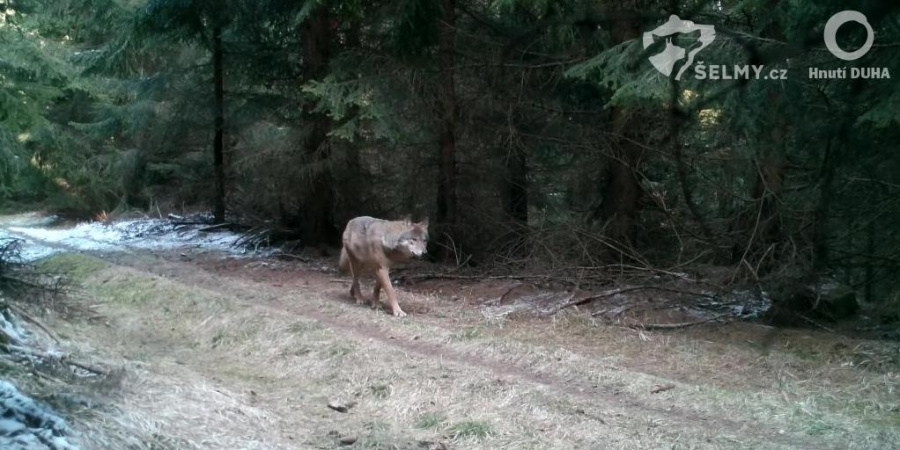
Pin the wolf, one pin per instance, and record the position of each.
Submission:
(372, 245)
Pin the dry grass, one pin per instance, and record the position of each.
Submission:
(242, 365)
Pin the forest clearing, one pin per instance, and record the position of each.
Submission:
(210, 350)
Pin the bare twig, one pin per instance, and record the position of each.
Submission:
(218, 227)
(84, 366)
(33, 320)
(662, 388)
(815, 323)
(290, 256)
(16, 280)
(674, 326)
(613, 292)
(450, 276)
(65, 359)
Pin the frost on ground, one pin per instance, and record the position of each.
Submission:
(42, 240)
(24, 423)
(27, 425)
(11, 329)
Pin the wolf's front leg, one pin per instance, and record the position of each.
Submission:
(384, 280)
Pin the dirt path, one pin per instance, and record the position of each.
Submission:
(273, 299)
(444, 377)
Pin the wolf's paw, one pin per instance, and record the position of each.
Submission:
(399, 313)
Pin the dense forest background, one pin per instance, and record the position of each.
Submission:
(533, 133)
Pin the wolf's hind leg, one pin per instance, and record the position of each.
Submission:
(355, 291)
(384, 280)
(376, 293)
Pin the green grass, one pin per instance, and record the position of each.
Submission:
(340, 349)
(468, 334)
(471, 429)
(818, 427)
(135, 290)
(378, 426)
(304, 327)
(381, 391)
(76, 267)
(431, 420)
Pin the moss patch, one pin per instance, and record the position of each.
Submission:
(76, 267)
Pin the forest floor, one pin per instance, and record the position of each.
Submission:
(215, 351)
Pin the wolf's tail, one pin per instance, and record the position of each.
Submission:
(344, 263)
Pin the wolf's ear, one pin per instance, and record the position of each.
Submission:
(424, 223)
(407, 218)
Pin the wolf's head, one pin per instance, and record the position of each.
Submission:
(413, 240)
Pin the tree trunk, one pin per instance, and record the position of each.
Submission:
(676, 122)
(870, 271)
(760, 227)
(355, 187)
(317, 224)
(218, 142)
(820, 229)
(622, 192)
(516, 203)
(447, 207)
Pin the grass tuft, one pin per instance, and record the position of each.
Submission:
(431, 420)
(471, 429)
(381, 391)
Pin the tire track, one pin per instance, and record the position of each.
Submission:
(268, 297)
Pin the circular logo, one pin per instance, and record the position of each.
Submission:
(835, 22)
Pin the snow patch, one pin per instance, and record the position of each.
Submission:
(27, 425)
(11, 328)
(139, 234)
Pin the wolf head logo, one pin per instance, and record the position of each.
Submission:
(666, 60)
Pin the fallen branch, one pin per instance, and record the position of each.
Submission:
(6, 337)
(22, 282)
(216, 227)
(673, 326)
(449, 276)
(84, 366)
(662, 388)
(815, 323)
(295, 257)
(187, 223)
(60, 359)
(616, 312)
(33, 320)
(461, 265)
(613, 292)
